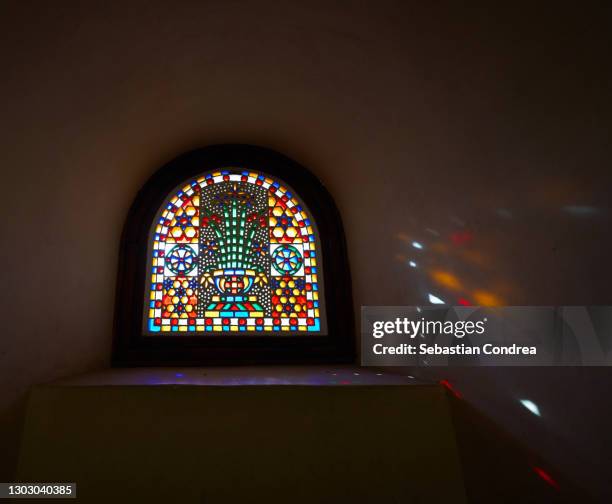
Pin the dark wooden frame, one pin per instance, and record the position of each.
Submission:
(132, 348)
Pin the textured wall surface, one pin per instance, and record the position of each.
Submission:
(483, 134)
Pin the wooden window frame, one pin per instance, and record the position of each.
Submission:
(132, 347)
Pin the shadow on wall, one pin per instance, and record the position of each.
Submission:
(560, 413)
(498, 468)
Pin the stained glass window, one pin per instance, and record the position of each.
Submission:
(234, 252)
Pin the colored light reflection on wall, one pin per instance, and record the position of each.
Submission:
(446, 384)
(486, 298)
(531, 406)
(546, 477)
(446, 279)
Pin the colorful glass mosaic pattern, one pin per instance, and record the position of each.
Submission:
(234, 252)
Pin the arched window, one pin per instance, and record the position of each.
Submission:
(234, 251)
(233, 254)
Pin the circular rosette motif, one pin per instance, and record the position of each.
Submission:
(287, 259)
(181, 259)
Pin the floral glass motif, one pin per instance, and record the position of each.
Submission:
(233, 251)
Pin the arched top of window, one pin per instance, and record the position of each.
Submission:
(233, 254)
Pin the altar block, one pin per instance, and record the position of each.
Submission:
(254, 443)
